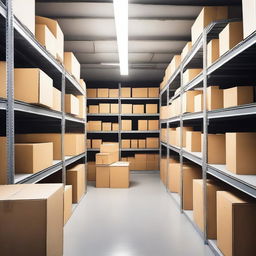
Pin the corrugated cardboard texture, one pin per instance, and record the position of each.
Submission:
(72, 65)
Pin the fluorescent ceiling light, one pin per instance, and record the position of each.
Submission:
(121, 21)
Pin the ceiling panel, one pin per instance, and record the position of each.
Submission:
(79, 46)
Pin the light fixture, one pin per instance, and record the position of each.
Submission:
(121, 22)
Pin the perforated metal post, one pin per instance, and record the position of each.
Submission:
(63, 126)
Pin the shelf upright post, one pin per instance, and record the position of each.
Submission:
(85, 126)
(119, 120)
(160, 131)
(167, 138)
(10, 93)
(63, 125)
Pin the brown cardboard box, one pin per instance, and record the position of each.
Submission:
(152, 142)
(95, 125)
(190, 74)
(88, 143)
(236, 96)
(213, 51)
(126, 143)
(114, 108)
(230, 36)
(190, 172)
(113, 93)
(93, 109)
(32, 158)
(211, 206)
(240, 153)
(163, 170)
(140, 162)
(106, 126)
(175, 63)
(131, 161)
(72, 65)
(139, 92)
(126, 92)
(188, 101)
(124, 159)
(109, 147)
(24, 10)
(55, 29)
(198, 103)
(138, 109)
(134, 143)
(96, 143)
(91, 93)
(206, 17)
(151, 108)
(102, 92)
(152, 162)
(126, 125)
(35, 213)
(102, 176)
(82, 84)
(82, 110)
(71, 104)
(174, 176)
(235, 225)
(126, 108)
(119, 175)
(3, 79)
(214, 98)
(115, 126)
(249, 20)
(67, 203)
(177, 135)
(142, 143)
(91, 175)
(56, 100)
(164, 135)
(153, 125)
(173, 137)
(193, 141)
(45, 37)
(186, 50)
(104, 158)
(104, 108)
(38, 89)
(74, 142)
(142, 125)
(153, 92)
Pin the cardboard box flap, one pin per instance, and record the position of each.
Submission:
(120, 164)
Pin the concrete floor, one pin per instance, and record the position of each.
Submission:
(140, 221)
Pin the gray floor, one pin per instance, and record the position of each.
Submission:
(140, 221)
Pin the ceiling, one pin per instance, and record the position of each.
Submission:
(157, 31)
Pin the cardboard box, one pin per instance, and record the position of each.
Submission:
(134, 143)
(56, 99)
(193, 141)
(205, 18)
(142, 125)
(139, 92)
(152, 142)
(211, 206)
(188, 101)
(38, 89)
(72, 65)
(74, 142)
(240, 153)
(93, 109)
(102, 92)
(71, 104)
(109, 147)
(131, 161)
(152, 162)
(115, 126)
(104, 158)
(82, 110)
(124, 159)
(126, 143)
(113, 93)
(153, 125)
(106, 126)
(114, 108)
(142, 143)
(126, 92)
(24, 10)
(67, 203)
(173, 140)
(82, 84)
(186, 50)
(91, 93)
(91, 174)
(3, 93)
(104, 108)
(102, 176)
(164, 134)
(151, 108)
(55, 29)
(153, 92)
(176, 60)
(119, 175)
(31, 212)
(190, 172)
(126, 125)
(235, 224)
(236, 96)
(190, 74)
(230, 36)
(32, 158)
(213, 51)
(138, 109)
(163, 170)
(174, 177)
(45, 37)
(249, 18)
(96, 143)
(140, 162)
(95, 125)
(88, 143)
(198, 103)
(177, 135)
(126, 108)
(214, 98)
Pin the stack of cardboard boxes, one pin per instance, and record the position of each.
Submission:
(102, 126)
(152, 143)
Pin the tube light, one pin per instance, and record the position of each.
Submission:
(121, 22)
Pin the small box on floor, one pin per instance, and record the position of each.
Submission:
(119, 175)
(102, 176)
(91, 174)
(140, 162)
(67, 203)
(174, 172)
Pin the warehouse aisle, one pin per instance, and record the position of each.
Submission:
(140, 221)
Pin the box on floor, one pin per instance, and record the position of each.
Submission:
(67, 203)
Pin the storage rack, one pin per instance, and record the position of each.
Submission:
(233, 68)
(119, 116)
(29, 53)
